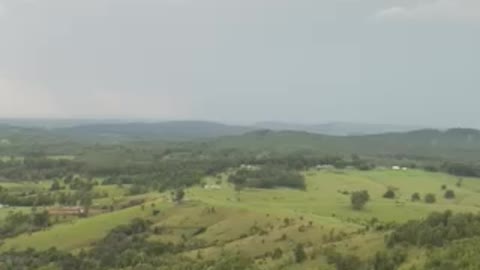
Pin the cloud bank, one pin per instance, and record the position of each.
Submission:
(434, 10)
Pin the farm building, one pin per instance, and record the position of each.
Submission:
(324, 167)
(212, 187)
(249, 167)
(65, 211)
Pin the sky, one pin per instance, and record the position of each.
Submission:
(408, 62)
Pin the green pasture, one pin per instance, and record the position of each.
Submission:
(323, 198)
(79, 233)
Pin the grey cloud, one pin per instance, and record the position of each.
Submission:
(242, 61)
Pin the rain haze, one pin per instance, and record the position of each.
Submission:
(413, 62)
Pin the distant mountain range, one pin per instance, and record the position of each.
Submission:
(192, 129)
(458, 144)
(338, 128)
(174, 130)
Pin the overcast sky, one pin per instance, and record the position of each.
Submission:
(414, 62)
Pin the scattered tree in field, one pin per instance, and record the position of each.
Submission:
(459, 182)
(359, 199)
(444, 187)
(299, 253)
(390, 194)
(449, 194)
(430, 198)
(178, 195)
(416, 197)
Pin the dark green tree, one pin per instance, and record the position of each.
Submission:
(416, 197)
(178, 195)
(449, 194)
(359, 199)
(390, 194)
(430, 198)
(299, 253)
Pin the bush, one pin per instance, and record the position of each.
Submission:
(277, 254)
(459, 182)
(390, 194)
(359, 199)
(444, 187)
(430, 198)
(449, 194)
(416, 197)
(344, 262)
(299, 254)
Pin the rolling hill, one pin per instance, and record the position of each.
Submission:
(458, 144)
(175, 130)
(453, 144)
(337, 128)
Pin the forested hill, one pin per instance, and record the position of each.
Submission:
(175, 130)
(460, 144)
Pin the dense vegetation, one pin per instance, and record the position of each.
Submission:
(437, 230)
(125, 247)
(267, 177)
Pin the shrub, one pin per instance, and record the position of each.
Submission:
(430, 198)
(359, 199)
(459, 182)
(449, 194)
(277, 254)
(416, 197)
(390, 194)
(344, 262)
(444, 187)
(299, 253)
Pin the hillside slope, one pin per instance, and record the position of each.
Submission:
(458, 144)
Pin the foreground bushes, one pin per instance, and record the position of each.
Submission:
(125, 247)
(437, 230)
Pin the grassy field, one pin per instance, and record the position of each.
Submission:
(79, 233)
(323, 199)
(319, 217)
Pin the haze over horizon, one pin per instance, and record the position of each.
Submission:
(413, 62)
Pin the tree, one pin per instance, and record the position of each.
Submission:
(449, 194)
(299, 253)
(359, 199)
(430, 198)
(444, 187)
(86, 202)
(55, 186)
(459, 182)
(344, 262)
(416, 197)
(41, 219)
(390, 194)
(178, 195)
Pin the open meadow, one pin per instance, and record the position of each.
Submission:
(216, 220)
